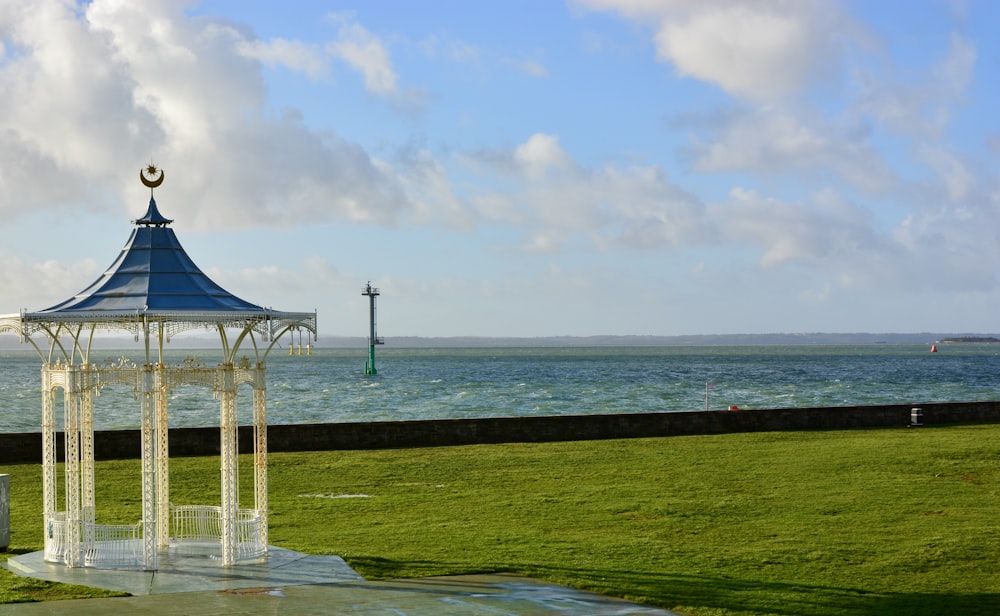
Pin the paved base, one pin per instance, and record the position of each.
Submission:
(182, 573)
(289, 582)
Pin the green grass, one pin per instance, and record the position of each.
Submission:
(806, 523)
(26, 536)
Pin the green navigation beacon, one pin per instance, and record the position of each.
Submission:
(372, 293)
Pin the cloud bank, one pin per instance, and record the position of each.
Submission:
(811, 149)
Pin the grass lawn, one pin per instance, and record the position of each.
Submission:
(865, 522)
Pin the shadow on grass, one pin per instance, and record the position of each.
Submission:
(11, 552)
(377, 568)
(705, 594)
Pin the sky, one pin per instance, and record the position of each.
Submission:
(519, 168)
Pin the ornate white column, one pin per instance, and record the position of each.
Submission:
(228, 450)
(260, 447)
(84, 378)
(149, 526)
(161, 387)
(71, 465)
(49, 481)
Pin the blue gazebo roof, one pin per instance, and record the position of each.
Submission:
(153, 274)
(155, 290)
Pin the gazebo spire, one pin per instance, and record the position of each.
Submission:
(152, 215)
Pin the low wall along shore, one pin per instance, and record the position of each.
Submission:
(118, 444)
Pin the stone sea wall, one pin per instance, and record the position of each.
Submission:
(27, 447)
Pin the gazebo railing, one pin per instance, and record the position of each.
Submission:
(55, 538)
(250, 535)
(202, 524)
(114, 545)
(195, 523)
(195, 530)
(106, 545)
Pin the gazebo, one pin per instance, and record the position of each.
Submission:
(153, 291)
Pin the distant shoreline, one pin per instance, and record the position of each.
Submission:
(817, 338)
(970, 340)
(927, 338)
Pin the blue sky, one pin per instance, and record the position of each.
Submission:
(519, 168)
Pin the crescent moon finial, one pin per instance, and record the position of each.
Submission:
(151, 171)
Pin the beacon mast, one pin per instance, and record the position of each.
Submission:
(373, 339)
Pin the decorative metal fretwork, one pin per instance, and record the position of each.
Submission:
(72, 535)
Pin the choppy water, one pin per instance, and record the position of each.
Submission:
(330, 385)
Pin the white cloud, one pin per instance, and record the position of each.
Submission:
(958, 181)
(649, 10)
(823, 228)
(443, 45)
(534, 68)
(294, 55)
(61, 97)
(650, 210)
(541, 153)
(430, 190)
(770, 140)
(86, 95)
(748, 50)
(954, 71)
(365, 53)
(817, 296)
(920, 105)
(35, 284)
(89, 91)
(541, 244)
(555, 201)
(756, 50)
(950, 249)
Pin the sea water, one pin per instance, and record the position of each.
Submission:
(435, 383)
